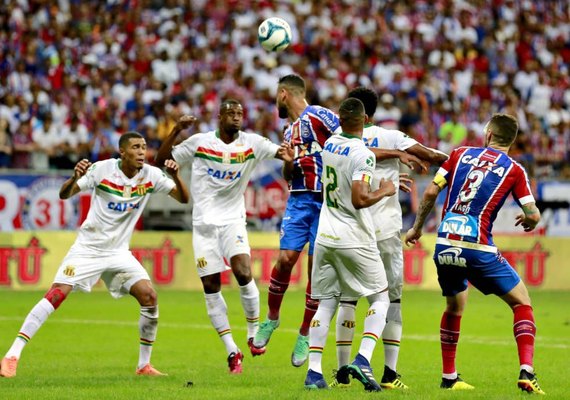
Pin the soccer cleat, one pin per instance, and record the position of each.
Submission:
(8, 367)
(255, 351)
(234, 362)
(301, 351)
(149, 370)
(455, 384)
(315, 380)
(391, 380)
(264, 332)
(340, 381)
(528, 383)
(360, 369)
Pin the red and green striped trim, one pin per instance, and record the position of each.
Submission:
(218, 156)
(224, 332)
(314, 349)
(369, 335)
(391, 342)
(146, 342)
(118, 190)
(341, 343)
(23, 336)
(252, 320)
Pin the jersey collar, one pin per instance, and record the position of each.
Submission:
(349, 136)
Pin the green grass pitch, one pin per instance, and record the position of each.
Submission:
(88, 349)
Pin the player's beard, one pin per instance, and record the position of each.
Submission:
(283, 114)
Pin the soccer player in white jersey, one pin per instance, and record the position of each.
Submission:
(120, 189)
(222, 162)
(391, 147)
(347, 262)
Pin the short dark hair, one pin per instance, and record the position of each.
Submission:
(228, 103)
(368, 97)
(351, 111)
(504, 128)
(293, 83)
(125, 137)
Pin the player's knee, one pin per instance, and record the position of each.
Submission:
(55, 296)
(148, 297)
(287, 260)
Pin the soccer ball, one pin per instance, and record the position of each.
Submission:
(274, 34)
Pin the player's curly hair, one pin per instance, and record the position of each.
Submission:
(368, 97)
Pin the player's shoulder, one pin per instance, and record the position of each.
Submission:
(324, 114)
(105, 165)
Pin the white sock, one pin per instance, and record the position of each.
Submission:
(392, 335)
(218, 313)
(34, 320)
(249, 295)
(318, 332)
(148, 325)
(345, 326)
(374, 323)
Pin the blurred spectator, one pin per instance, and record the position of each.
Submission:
(5, 144)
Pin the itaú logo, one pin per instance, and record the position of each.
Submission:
(451, 257)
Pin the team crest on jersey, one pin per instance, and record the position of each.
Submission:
(201, 262)
(127, 191)
(370, 161)
(69, 271)
(226, 157)
(349, 324)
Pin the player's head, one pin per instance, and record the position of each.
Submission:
(231, 116)
(501, 130)
(289, 86)
(368, 97)
(351, 115)
(132, 149)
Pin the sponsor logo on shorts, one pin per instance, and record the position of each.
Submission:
(451, 256)
(69, 271)
(315, 323)
(201, 262)
(349, 324)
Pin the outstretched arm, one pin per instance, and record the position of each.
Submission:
(529, 218)
(180, 191)
(405, 158)
(430, 195)
(70, 186)
(165, 151)
(363, 197)
(427, 154)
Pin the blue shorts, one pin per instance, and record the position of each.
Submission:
(300, 221)
(488, 272)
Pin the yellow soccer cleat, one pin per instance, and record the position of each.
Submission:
(8, 367)
(528, 383)
(455, 384)
(339, 382)
(391, 380)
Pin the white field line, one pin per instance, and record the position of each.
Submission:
(541, 342)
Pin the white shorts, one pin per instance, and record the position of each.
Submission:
(82, 268)
(393, 259)
(347, 273)
(214, 246)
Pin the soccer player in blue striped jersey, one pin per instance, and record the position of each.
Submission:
(478, 181)
(310, 127)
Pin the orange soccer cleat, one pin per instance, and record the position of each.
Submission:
(149, 370)
(8, 367)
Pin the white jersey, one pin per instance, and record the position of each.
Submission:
(387, 213)
(220, 173)
(345, 159)
(117, 203)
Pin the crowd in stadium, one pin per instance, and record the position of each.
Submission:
(75, 75)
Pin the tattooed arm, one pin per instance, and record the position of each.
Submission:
(529, 218)
(426, 205)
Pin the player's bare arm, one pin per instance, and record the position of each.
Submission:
(164, 152)
(426, 205)
(363, 197)
(70, 187)
(180, 191)
(529, 218)
(427, 154)
(285, 152)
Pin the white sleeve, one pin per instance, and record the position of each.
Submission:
(162, 183)
(92, 177)
(263, 148)
(363, 166)
(183, 153)
(400, 140)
